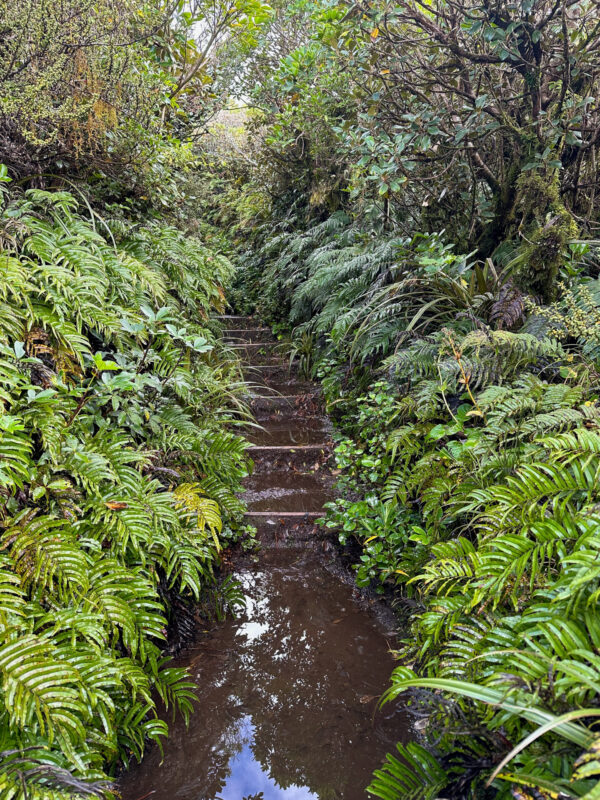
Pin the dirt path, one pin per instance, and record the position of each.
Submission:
(289, 485)
(287, 691)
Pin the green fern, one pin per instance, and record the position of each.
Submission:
(116, 473)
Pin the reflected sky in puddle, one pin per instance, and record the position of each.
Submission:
(252, 628)
(287, 697)
(248, 779)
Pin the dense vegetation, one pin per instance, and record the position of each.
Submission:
(411, 189)
(119, 460)
(419, 182)
(116, 473)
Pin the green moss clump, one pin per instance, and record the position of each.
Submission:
(547, 227)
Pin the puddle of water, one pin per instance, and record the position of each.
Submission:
(247, 777)
(287, 696)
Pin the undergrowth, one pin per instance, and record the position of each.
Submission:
(469, 450)
(118, 474)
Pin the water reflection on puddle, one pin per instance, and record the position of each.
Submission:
(287, 697)
(248, 779)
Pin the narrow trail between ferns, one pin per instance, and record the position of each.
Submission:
(287, 691)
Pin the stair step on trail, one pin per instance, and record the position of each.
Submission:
(248, 335)
(240, 322)
(276, 430)
(288, 483)
(295, 515)
(285, 490)
(284, 384)
(254, 350)
(231, 331)
(244, 345)
(278, 365)
(275, 400)
(288, 448)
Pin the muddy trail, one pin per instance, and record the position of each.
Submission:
(287, 691)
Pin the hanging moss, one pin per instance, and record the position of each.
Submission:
(547, 227)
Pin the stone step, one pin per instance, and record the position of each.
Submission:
(285, 514)
(248, 335)
(271, 363)
(285, 491)
(249, 345)
(284, 416)
(285, 400)
(288, 448)
(283, 430)
(281, 364)
(267, 373)
(232, 331)
(240, 322)
(281, 383)
(253, 349)
(275, 399)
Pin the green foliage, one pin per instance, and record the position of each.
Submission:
(504, 480)
(78, 86)
(416, 775)
(408, 203)
(381, 529)
(468, 487)
(117, 475)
